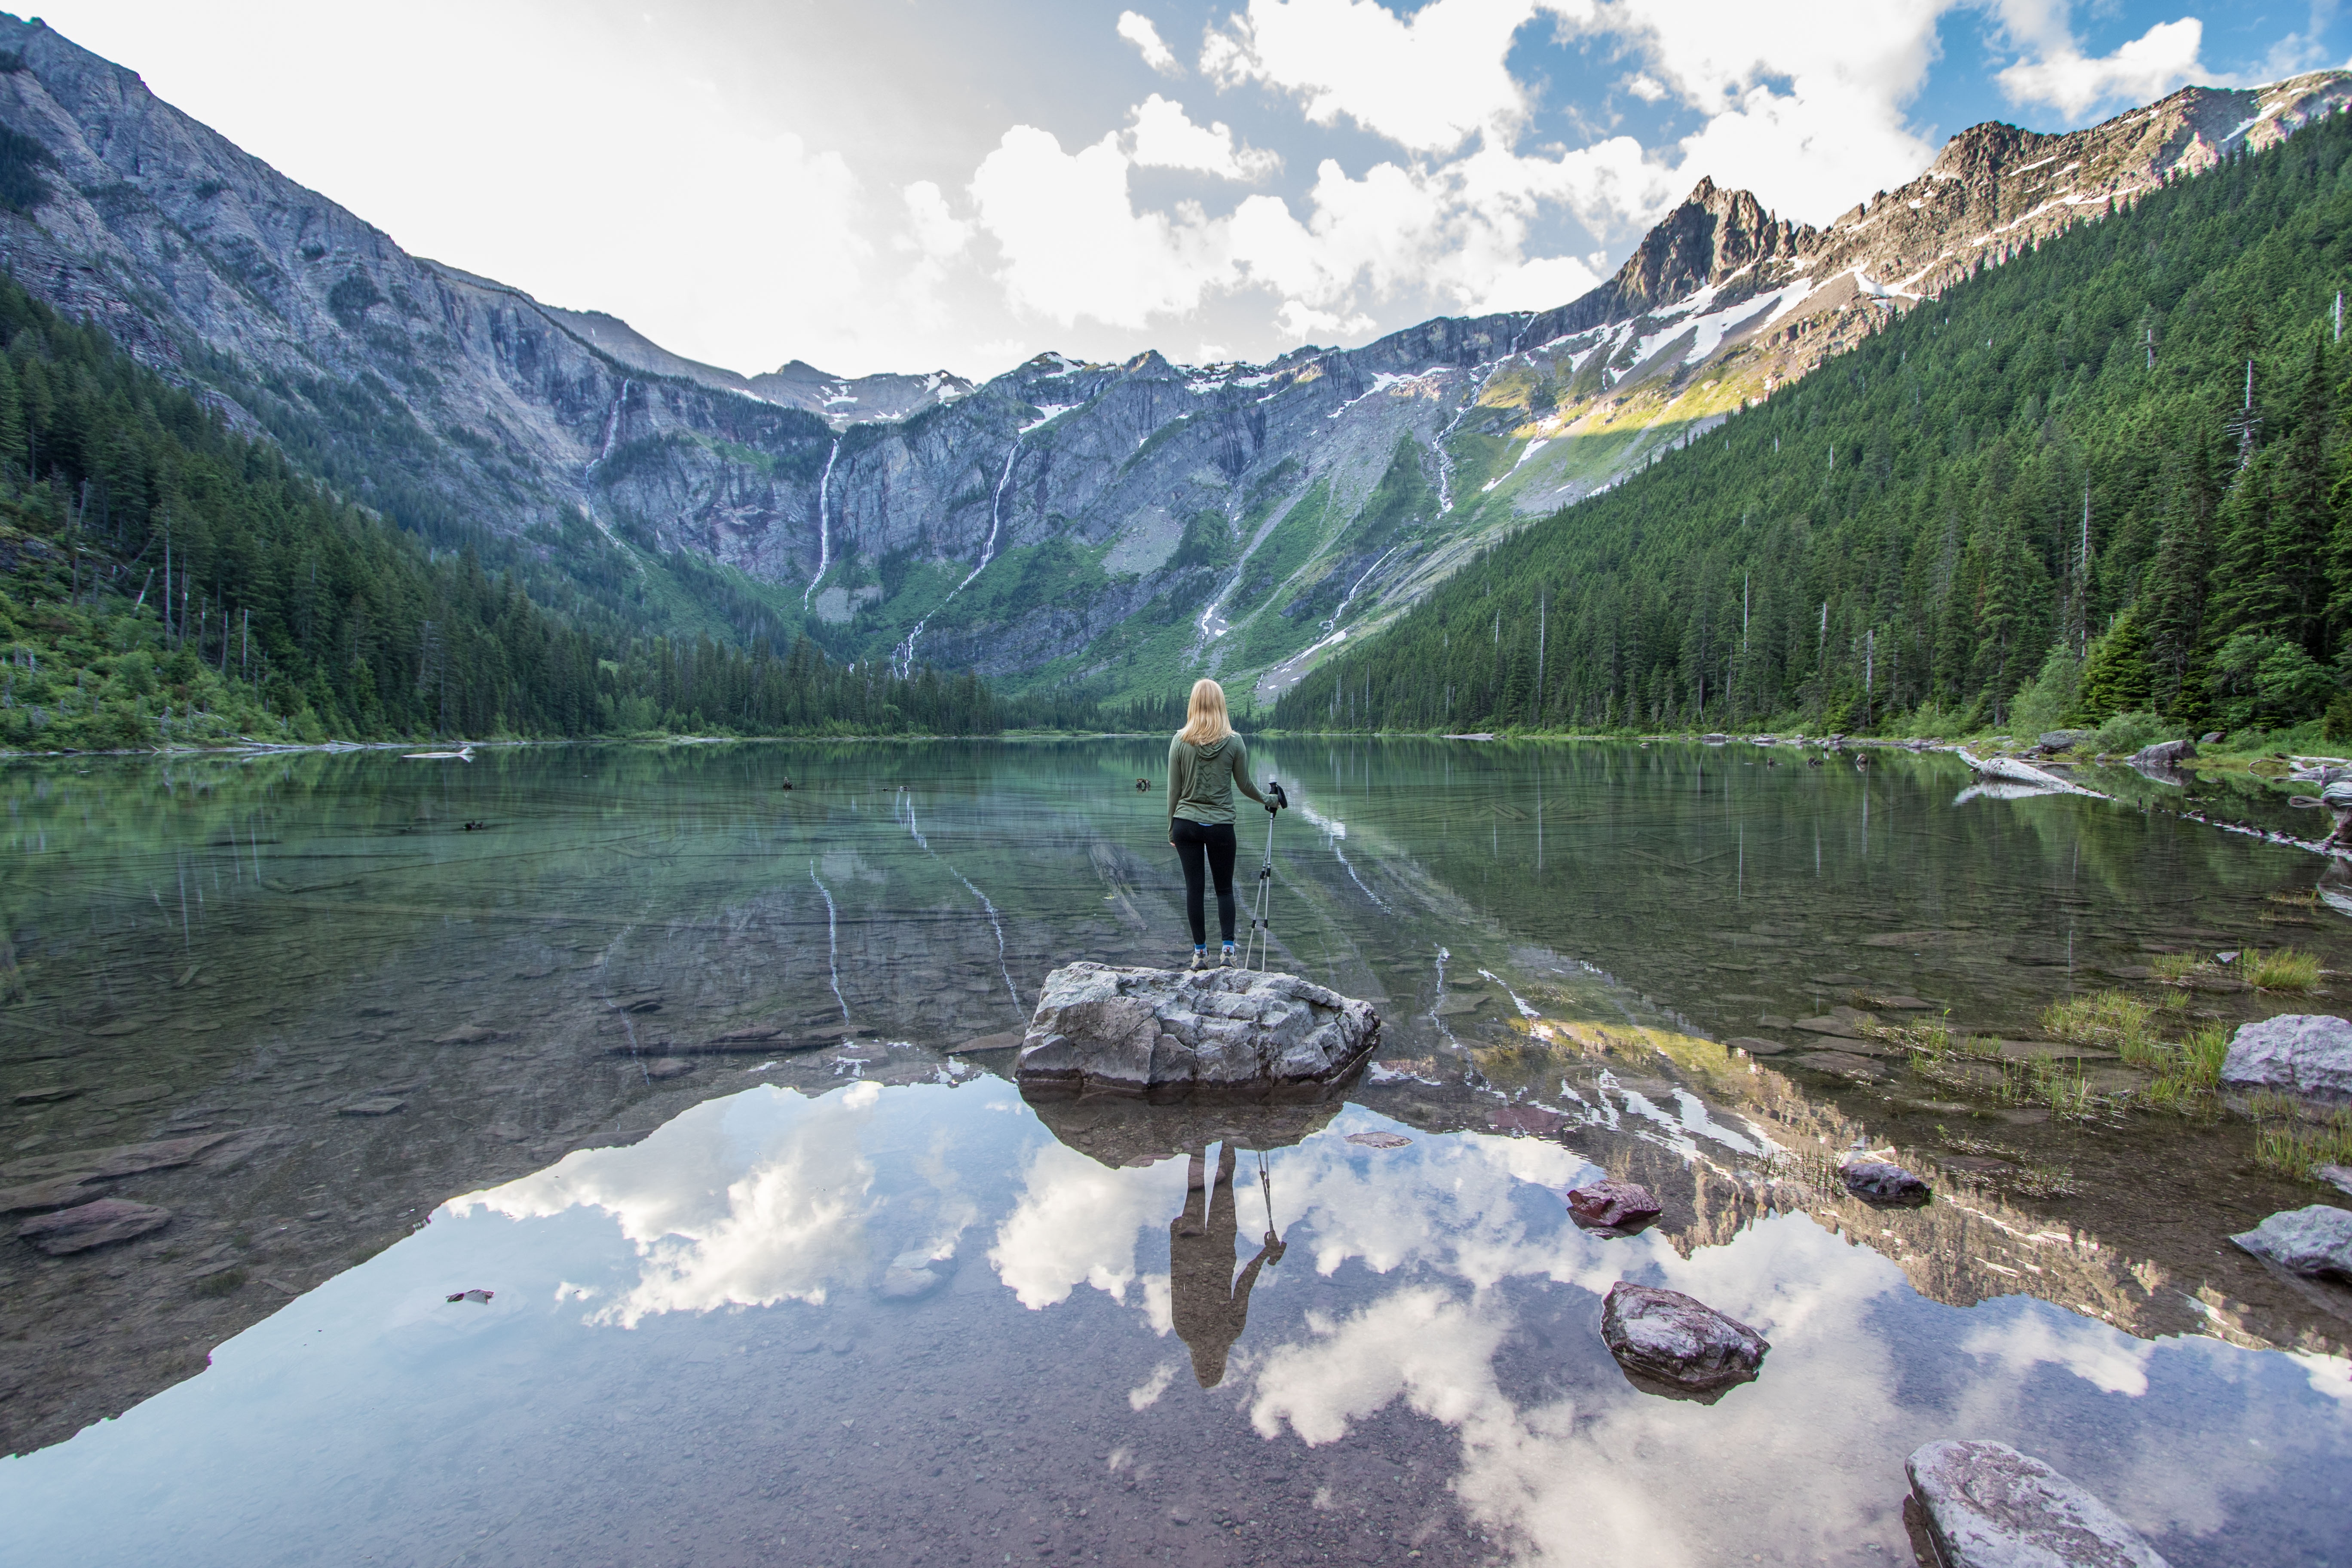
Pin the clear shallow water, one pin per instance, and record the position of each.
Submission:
(796, 1231)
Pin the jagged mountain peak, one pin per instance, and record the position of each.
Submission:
(1712, 235)
(1983, 150)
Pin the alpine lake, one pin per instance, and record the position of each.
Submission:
(700, 1085)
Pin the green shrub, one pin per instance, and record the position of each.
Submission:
(2128, 733)
(2048, 700)
(2336, 724)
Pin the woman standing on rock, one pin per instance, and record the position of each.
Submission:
(1205, 761)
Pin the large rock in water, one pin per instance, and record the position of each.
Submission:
(1676, 1344)
(2307, 1054)
(1170, 1033)
(2315, 1241)
(1989, 1506)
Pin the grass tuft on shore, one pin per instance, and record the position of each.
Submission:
(2294, 1149)
(2279, 969)
(2107, 1019)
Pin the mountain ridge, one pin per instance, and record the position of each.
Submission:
(1129, 525)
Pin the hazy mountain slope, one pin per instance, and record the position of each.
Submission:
(1133, 524)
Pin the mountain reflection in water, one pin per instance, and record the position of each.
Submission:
(777, 1274)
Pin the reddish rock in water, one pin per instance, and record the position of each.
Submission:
(92, 1224)
(1613, 1207)
(1675, 1344)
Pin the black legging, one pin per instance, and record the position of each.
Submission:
(1212, 842)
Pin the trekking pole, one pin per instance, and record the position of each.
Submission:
(1261, 928)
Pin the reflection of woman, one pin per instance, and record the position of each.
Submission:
(1205, 761)
(1210, 1305)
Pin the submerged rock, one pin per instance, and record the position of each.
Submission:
(911, 1275)
(1885, 1181)
(1672, 1343)
(92, 1224)
(1171, 1033)
(1989, 1506)
(1613, 1207)
(125, 1159)
(1842, 1064)
(55, 1194)
(1518, 1119)
(2307, 1054)
(2314, 1241)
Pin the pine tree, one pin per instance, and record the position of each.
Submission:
(2115, 673)
(2297, 536)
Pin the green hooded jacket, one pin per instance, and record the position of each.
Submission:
(1201, 780)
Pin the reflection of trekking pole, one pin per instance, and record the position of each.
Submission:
(1266, 1184)
(1262, 932)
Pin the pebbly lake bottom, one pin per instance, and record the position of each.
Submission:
(781, 1269)
(908, 1324)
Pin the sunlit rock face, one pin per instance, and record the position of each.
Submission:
(1170, 1034)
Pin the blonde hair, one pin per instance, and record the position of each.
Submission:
(1204, 715)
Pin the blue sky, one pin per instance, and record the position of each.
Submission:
(913, 185)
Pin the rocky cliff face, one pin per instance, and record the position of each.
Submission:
(1135, 523)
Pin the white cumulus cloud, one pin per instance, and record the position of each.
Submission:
(1138, 29)
(1425, 83)
(1073, 245)
(1162, 136)
(2148, 67)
